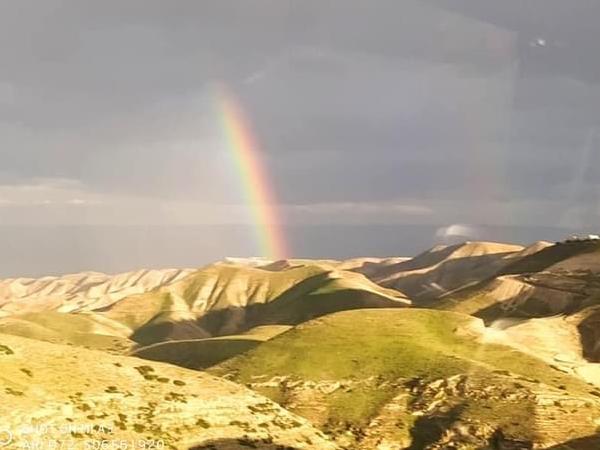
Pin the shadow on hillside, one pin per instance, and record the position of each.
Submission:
(296, 305)
(589, 333)
(240, 444)
(428, 430)
(451, 275)
(535, 306)
(549, 256)
(291, 311)
(530, 308)
(153, 333)
(300, 303)
(586, 443)
(198, 354)
(421, 261)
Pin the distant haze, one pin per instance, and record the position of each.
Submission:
(38, 251)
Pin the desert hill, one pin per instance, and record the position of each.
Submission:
(444, 269)
(84, 291)
(362, 265)
(420, 277)
(228, 299)
(546, 303)
(217, 300)
(559, 279)
(472, 346)
(416, 379)
(63, 391)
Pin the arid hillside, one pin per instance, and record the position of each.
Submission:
(217, 300)
(82, 397)
(472, 346)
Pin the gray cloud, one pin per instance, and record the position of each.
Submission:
(406, 102)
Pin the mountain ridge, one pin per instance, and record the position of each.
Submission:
(473, 345)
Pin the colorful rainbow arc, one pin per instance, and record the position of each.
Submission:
(256, 185)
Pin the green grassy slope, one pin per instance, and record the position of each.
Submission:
(218, 300)
(86, 330)
(225, 299)
(363, 360)
(203, 353)
(81, 398)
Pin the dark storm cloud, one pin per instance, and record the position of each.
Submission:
(352, 101)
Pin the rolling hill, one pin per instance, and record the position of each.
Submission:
(546, 304)
(445, 269)
(218, 300)
(415, 379)
(84, 291)
(472, 346)
(77, 398)
(204, 353)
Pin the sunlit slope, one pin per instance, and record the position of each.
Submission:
(55, 386)
(83, 329)
(546, 303)
(362, 264)
(217, 300)
(444, 269)
(227, 299)
(568, 342)
(561, 279)
(411, 378)
(62, 309)
(84, 291)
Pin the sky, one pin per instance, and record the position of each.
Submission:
(367, 114)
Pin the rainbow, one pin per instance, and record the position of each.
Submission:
(256, 186)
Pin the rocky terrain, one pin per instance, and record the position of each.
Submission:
(378, 386)
(55, 394)
(546, 304)
(471, 346)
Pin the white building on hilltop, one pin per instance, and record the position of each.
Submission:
(589, 237)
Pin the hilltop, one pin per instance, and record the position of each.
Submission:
(444, 269)
(216, 300)
(84, 291)
(414, 379)
(547, 303)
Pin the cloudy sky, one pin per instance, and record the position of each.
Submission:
(388, 112)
